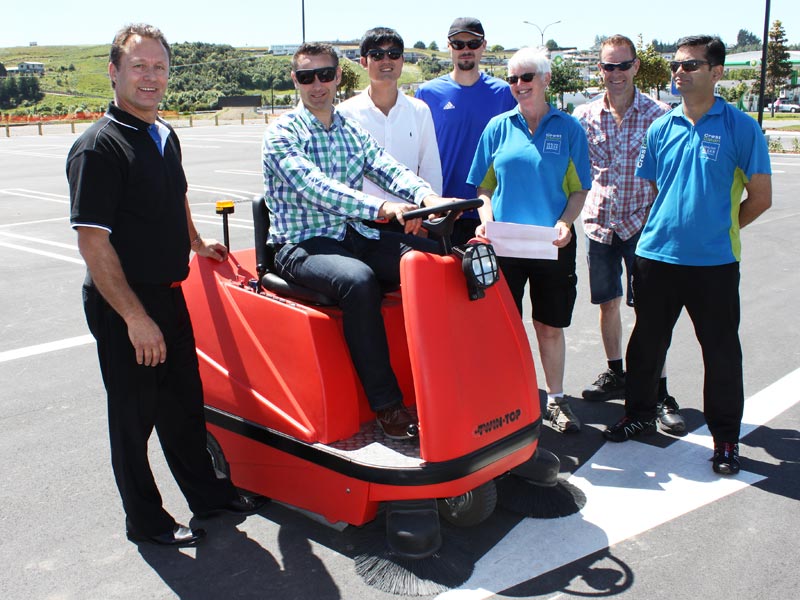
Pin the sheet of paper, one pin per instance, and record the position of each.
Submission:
(522, 241)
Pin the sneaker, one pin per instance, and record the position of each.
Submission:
(609, 386)
(669, 418)
(726, 458)
(561, 417)
(627, 428)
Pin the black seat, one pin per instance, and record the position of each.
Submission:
(265, 263)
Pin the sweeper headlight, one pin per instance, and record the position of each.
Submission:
(479, 264)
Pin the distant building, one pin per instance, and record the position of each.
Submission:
(284, 49)
(31, 68)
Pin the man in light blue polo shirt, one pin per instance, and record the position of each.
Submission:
(699, 157)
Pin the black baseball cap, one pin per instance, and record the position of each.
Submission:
(466, 25)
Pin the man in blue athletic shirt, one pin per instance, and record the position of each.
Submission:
(462, 102)
(699, 157)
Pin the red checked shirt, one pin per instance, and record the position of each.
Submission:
(618, 201)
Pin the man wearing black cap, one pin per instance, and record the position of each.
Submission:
(462, 102)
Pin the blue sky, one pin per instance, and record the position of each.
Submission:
(240, 23)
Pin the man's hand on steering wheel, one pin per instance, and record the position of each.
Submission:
(395, 210)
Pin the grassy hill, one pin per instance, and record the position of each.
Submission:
(75, 76)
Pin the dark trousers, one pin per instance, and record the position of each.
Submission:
(711, 298)
(351, 271)
(168, 397)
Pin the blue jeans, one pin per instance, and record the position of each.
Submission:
(605, 268)
(351, 272)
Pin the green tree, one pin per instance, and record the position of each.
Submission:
(349, 78)
(433, 46)
(420, 45)
(430, 67)
(565, 77)
(746, 41)
(551, 45)
(733, 94)
(496, 48)
(654, 73)
(598, 41)
(779, 69)
(3, 71)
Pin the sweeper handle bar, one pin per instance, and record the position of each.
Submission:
(458, 206)
(442, 228)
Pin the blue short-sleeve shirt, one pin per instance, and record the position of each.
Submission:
(532, 175)
(700, 172)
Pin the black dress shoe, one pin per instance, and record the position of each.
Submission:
(240, 505)
(397, 423)
(179, 536)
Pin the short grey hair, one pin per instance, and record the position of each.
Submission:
(534, 59)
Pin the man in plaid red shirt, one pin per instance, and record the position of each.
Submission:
(616, 209)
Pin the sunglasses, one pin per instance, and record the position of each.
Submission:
(689, 66)
(324, 74)
(622, 66)
(392, 53)
(526, 77)
(472, 44)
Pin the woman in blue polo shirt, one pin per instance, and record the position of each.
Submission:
(532, 167)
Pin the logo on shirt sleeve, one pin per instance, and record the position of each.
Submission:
(709, 147)
(642, 153)
(552, 143)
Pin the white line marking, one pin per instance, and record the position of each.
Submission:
(37, 222)
(46, 347)
(620, 480)
(61, 199)
(240, 172)
(69, 259)
(37, 154)
(40, 240)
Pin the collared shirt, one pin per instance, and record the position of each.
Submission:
(700, 171)
(406, 133)
(618, 201)
(120, 182)
(531, 175)
(313, 177)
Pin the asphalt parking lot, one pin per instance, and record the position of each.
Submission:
(657, 522)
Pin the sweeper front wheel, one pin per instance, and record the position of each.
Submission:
(221, 468)
(471, 508)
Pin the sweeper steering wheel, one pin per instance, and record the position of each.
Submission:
(450, 207)
(442, 228)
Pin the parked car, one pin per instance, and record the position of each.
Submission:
(784, 106)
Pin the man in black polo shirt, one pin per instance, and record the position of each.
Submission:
(129, 207)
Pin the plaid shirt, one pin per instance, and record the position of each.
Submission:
(618, 201)
(313, 178)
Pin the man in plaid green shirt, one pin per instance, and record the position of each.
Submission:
(314, 164)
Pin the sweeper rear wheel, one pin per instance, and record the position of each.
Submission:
(471, 508)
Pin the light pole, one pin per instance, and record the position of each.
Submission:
(303, 18)
(764, 66)
(542, 30)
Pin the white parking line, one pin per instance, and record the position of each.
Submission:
(28, 238)
(618, 482)
(60, 198)
(46, 347)
(69, 259)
